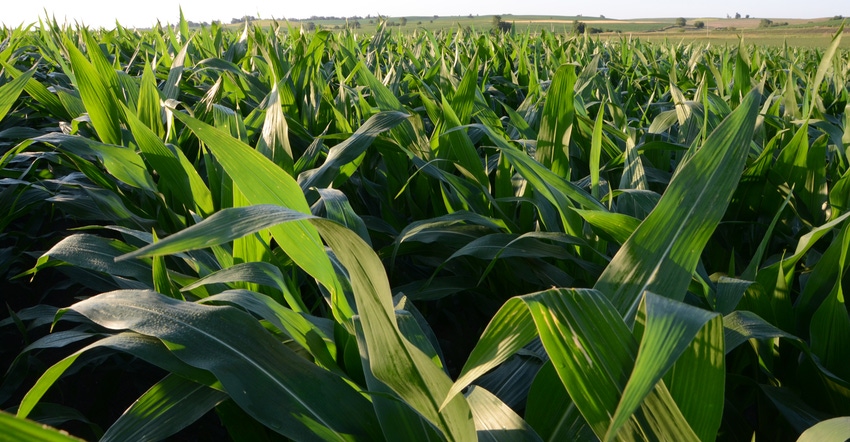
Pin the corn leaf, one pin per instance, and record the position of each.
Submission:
(166, 408)
(662, 253)
(830, 429)
(259, 373)
(10, 91)
(495, 421)
(99, 100)
(17, 428)
(262, 182)
(409, 372)
(556, 124)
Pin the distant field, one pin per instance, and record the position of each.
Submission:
(798, 32)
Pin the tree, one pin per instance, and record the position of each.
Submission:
(404, 21)
(765, 23)
(501, 26)
(737, 15)
(681, 22)
(496, 20)
(578, 27)
(699, 24)
(311, 26)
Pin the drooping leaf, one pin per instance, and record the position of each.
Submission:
(409, 372)
(259, 373)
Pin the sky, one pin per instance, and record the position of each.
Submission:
(100, 13)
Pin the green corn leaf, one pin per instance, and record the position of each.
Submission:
(551, 412)
(692, 364)
(177, 177)
(99, 100)
(408, 134)
(463, 99)
(262, 182)
(40, 92)
(495, 421)
(662, 253)
(824, 65)
(171, 87)
(595, 152)
(598, 366)
(354, 146)
(15, 428)
(409, 372)
(800, 415)
(143, 347)
(300, 327)
(337, 208)
(554, 188)
(398, 420)
(741, 326)
(456, 146)
(613, 226)
(261, 273)
(821, 282)
(166, 408)
(831, 429)
(10, 91)
(161, 280)
(149, 109)
(556, 124)
(396, 362)
(259, 373)
(830, 326)
(95, 253)
(274, 142)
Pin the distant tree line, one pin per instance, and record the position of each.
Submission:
(580, 27)
(766, 23)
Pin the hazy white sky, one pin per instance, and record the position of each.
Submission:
(145, 13)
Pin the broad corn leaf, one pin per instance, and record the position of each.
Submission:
(495, 421)
(143, 347)
(16, 428)
(166, 408)
(830, 429)
(662, 253)
(262, 182)
(403, 367)
(259, 373)
(620, 393)
(686, 344)
(830, 326)
(348, 150)
(178, 178)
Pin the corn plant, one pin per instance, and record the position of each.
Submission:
(272, 234)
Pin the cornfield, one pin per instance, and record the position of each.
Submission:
(270, 234)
